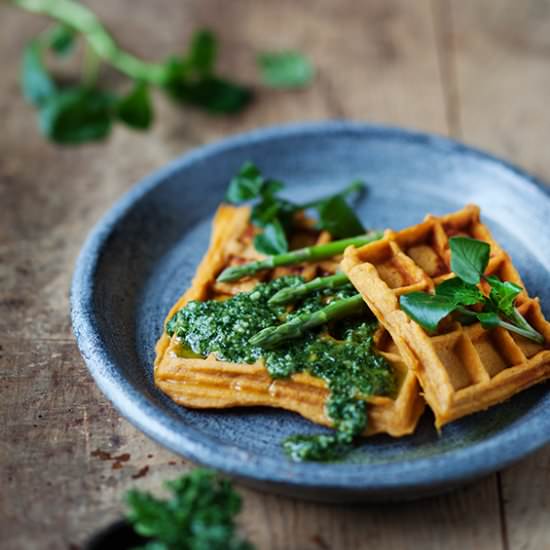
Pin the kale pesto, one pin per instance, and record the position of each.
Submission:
(342, 354)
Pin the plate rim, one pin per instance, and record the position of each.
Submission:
(455, 467)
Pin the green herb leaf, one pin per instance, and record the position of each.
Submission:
(426, 309)
(246, 185)
(336, 217)
(503, 294)
(77, 115)
(272, 240)
(272, 187)
(62, 39)
(202, 53)
(469, 258)
(199, 515)
(136, 109)
(287, 69)
(489, 319)
(459, 292)
(36, 83)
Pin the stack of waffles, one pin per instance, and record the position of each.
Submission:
(461, 369)
(210, 383)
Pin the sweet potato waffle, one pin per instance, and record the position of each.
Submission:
(209, 383)
(462, 369)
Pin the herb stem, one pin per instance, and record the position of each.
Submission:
(90, 67)
(521, 322)
(84, 21)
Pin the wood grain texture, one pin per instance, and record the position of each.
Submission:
(502, 60)
(66, 456)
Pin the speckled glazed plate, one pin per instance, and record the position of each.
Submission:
(143, 253)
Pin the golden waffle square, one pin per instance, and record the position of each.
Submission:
(462, 369)
(209, 383)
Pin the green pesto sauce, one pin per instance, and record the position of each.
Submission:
(342, 355)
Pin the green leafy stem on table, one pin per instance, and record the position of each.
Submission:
(85, 112)
(199, 515)
(275, 215)
(469, 260)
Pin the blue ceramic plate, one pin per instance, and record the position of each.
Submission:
(142, 256)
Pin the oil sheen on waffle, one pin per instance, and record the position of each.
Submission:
(210, 383)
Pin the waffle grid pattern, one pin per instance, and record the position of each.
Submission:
(209, 383)
(462, 369)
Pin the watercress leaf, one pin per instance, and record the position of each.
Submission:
(460, 292)
(336, 217)
(426, 309)
(202, 52)
(265, 211)
(77, 115)
(469, 258)
(489, 319)
(272, 240)
(246, 185)
(136, 109)
(211, 93)
(272, 187)
(286, 69)
(62, 39)
(503, 294)
(36, 83)
(356, 186)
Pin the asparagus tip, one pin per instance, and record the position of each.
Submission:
(229, 274)
(262, 337)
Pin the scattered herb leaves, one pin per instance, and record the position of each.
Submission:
(76, 115)
(36, 83)
(190, 79)
(286, 69)
(200, 514)
(272, 240)
(246, 185)
(61, 40)
(275, 214)
(427, 309)
(503, 294)
(459, 292)
(469, 259)
(135, 109)
(336, 217)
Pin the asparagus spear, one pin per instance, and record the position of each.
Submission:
(296, 327)
(309, 254)
(292, 293)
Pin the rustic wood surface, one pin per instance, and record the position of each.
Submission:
(479, 71)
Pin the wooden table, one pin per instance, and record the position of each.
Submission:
(478, 71)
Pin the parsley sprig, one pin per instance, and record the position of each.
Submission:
(462, 295)
(275, 214)
(199, 516)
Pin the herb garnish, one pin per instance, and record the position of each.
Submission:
(286, 69)
(200, 515)
(275, 214)
(469, 260)
(72, 114)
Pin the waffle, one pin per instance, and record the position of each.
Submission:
(462, 369)
(210, 383)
